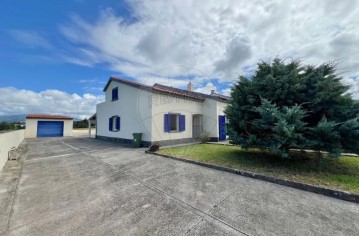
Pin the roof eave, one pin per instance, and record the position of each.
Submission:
(49, 118)
(219, 99)
(179, 96)
(129, 83)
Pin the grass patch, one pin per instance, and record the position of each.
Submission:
(338, 173)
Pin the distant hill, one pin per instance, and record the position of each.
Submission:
(13, 118)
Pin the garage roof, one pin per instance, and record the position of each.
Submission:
(45, 116)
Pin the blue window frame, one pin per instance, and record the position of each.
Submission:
(174, 122)
(167, 123)
(181, 123)
(114, 124)
(115, 94)
(118, 121)
(110, 124)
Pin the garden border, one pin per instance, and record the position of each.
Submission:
(342, 195)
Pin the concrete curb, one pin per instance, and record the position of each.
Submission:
(346, 196)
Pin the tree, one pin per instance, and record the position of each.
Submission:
(81, 124)
(7, 126)
(290, 105)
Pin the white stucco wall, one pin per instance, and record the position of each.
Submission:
(211, 110)
(210, 117)
(132, 106)
(164, 104)
(7, 141)
(221, 106)
(143, 111)
(31, 127)
(68, 127)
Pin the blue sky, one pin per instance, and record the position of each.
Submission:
(56, 56)
(32, 46)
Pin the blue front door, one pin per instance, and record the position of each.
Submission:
(50, 128)
(222, 127)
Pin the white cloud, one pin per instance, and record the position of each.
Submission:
(220, 39)
(92, 86)
(30, 39)
(15, 101)
(226, 91)
(238, 50)
(354, 86)
(207, 89)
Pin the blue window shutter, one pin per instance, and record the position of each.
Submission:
(118, 119)
(110, 124)
(114, 94)
(182, 123)
(167, 122)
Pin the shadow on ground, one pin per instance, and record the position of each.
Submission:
(83, 186)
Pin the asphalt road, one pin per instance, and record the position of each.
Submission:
(83, 186)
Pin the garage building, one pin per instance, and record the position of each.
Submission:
(41, 125)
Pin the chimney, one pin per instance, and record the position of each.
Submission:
(212, 92)
(190, 87)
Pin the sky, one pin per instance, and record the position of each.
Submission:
(56, 56)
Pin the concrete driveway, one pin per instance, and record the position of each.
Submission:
(83, 186)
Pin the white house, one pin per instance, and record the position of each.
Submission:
(163, 114)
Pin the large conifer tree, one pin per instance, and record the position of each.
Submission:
(290, 105)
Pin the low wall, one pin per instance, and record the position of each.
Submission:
(84, 132)
(7, 141)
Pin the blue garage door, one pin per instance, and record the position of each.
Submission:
(50, 128)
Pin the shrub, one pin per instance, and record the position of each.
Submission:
(204, 137)
(154, 147)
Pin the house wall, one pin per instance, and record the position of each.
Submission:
(210, 117)
(221, 107)
(7, 141)
(31, 127)
(142, 111)
(133, 109)
(211, 110)
(164, 104)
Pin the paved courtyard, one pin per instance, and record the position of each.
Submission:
(83, 186)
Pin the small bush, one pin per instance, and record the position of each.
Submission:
(154, 148)
(204, 137)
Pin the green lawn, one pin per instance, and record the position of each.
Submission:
(338, 173)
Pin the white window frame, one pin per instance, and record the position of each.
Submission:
(114, 120)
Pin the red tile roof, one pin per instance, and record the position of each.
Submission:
(179, 92)
(163, 89)
(44, 116)
(129, 82)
